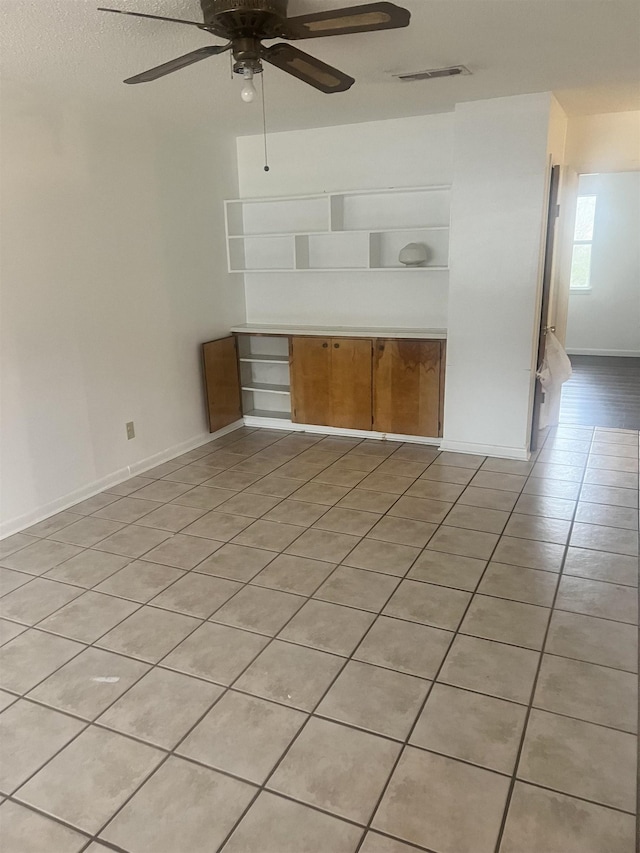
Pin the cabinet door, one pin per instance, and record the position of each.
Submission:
(311, 380)
(351, 383)
(331, 381)
(406, 383)
(222, 385)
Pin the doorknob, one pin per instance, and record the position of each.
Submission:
(325, 345)
(337, 346)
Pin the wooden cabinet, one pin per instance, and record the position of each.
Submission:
(311, 380)
(331, 381)
(351, 383)
(222, 385)
(407, 386)
(393, 386)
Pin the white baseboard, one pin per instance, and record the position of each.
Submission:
(15, 525)
(289, 426)
(619, 353)
(497, 450)
(184, 447)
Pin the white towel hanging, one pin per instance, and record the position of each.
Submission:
(556, 367)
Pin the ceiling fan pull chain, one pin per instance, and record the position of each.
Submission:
(264, 124)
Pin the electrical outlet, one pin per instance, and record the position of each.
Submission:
(131, 432)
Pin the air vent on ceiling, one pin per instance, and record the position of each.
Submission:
(451, 71)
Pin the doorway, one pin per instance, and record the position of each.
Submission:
(603, 329)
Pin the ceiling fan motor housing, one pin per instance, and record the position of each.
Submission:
(244, 23)
(246, 17)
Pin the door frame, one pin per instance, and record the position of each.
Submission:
(545, 304)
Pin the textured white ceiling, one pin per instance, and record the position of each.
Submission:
(587, 51)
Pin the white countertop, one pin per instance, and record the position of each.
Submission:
(340, 331)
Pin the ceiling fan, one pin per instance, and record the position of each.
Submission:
(245, 23)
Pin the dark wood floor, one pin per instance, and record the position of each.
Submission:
(603, 391)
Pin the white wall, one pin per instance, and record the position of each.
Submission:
(499, 211)
(113, 273)
(398, 153)
(606, 319)
(608, 142)
(497, 155)
(394, 153)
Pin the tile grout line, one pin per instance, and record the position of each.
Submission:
(92, 722)
(194, 569)
(307, 597)
(172, 752)
(150, 602)
(92, 644)
(165, 668)
(437, 674)
(310, 715)
(637, 834)
(514, 777)
(157, 663)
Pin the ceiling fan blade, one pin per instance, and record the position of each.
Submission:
(353, 19)
(307, 68)
(153, 17)
(178, 63)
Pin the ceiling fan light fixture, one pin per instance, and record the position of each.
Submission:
(248, 91)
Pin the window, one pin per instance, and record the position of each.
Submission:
(582, 240)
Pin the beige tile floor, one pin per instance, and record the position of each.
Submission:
(290, 643)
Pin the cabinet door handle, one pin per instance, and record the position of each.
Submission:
(325, 344)
(337, 346)
(381, 347)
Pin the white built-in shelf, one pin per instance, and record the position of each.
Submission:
(265, 413)
(281, 332)
(266, 359)
(266, 388)
(265, 381)
(352, 231)
(342, 231)
(427, 268)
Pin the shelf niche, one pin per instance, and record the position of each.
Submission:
(332, 251)
(264, 375)
(385, 211)
(385, 248)
(277, 216)
(260, 253)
